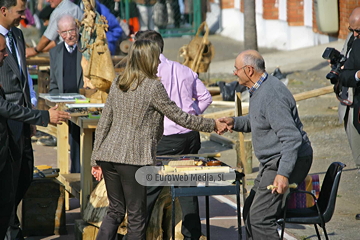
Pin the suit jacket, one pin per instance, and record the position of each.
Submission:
(347, 79)
(131, 124)
(342, 109)
(57, 69)
(14, 111)
(351, 66)
(15, 83)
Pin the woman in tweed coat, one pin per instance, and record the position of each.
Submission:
(127, 134)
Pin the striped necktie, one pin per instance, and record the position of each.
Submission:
(12, 46)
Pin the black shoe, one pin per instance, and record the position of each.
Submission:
(51, 141)
(357, 217)
(14, 233)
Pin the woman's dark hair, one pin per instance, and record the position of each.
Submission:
(151, 35)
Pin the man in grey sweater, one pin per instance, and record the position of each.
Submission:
(279, 143)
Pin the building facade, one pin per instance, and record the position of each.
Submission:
(290, 24)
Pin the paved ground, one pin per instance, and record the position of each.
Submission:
(306, 70)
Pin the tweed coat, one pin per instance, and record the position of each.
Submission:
(15, 82)
(57, 69)
(131, 124)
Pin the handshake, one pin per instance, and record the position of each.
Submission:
(223, 125)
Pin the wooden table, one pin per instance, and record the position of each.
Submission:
(71, 180)
(231, 189)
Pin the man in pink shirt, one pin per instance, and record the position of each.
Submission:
(190, 94)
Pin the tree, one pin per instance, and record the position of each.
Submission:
(250, 36)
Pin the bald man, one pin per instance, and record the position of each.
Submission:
(346, 112)
(349, 83)
(280, 144)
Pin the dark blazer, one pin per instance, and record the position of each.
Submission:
(16, 112)
(56, 69)
(15, 83)
(351, 66)
(347, 79)
(132, 124)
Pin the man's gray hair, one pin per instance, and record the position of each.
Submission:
(257, 62)
(66, 17)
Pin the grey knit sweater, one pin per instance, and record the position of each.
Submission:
(131, 124)
(275, 125)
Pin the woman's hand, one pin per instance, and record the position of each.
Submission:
(220, 127)
(97, 173)
(229, 124)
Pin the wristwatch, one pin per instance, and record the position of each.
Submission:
(37, 51)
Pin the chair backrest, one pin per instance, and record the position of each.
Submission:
(329, 188)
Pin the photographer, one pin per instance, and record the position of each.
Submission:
(349, 84)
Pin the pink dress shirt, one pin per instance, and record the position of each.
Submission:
(185, 89)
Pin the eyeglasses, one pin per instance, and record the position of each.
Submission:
(71, 32)
(354, 30)
(237, 69)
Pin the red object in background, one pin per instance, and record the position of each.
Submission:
(23, 23)
(134, 26)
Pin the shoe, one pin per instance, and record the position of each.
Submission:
(38, 135)
(357, 217)
(14, 233)
(51, 141)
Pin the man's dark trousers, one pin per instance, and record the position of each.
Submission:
(23, 168)
(188, 143)
(262, 208)
(74, 141)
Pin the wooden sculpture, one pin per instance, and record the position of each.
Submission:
(98, 69)
(199, 52)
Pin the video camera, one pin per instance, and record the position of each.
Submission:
(337, 60)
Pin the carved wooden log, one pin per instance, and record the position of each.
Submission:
(159, 227)
(97, 208)
(160, 222)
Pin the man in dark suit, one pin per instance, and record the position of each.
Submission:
(15, 84)
(348, 93)
(66, 77)
(349, 85)
(9, 149)
(350, 78)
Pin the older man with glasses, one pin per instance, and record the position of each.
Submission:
(50, 37)
(280, 143)
(66, 77)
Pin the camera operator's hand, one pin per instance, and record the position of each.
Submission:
(336, 60)
(349, 75)
(358, 74)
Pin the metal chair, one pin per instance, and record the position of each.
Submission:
(324, 207)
